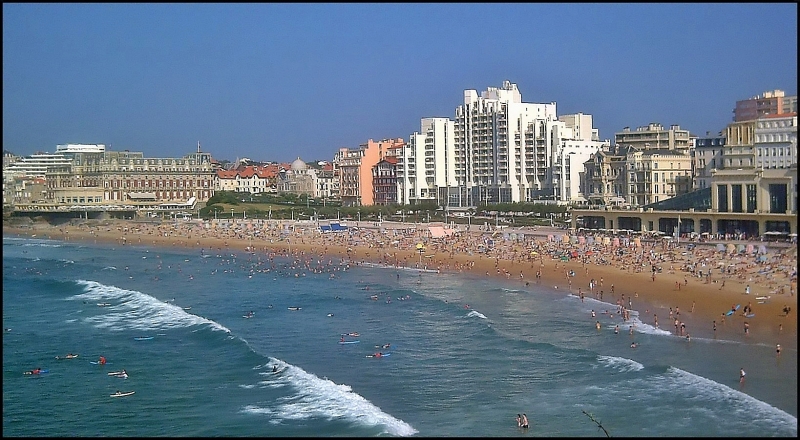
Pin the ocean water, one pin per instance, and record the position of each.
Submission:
(467, 354)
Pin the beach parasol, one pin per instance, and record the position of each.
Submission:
(730, 248)
(581, 240)
(750, 249)
(762, 249)
(589, 253)
(534, 253)
(573, 239)
(549, 237)
(740, 248)
(614, 242)
(720, 247)
(590, 240)
(637, 241)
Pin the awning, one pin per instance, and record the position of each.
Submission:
(142, 195)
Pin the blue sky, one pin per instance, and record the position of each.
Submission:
(278, 81)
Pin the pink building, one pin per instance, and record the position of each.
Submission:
(355, 169)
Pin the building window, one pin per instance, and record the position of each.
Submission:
(722, 198)
(777, 198)
(736, 198)
(751, 198)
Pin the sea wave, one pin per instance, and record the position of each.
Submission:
(131, 309)
(746, 407)
(619, 363)
(40, 244)
(474, 313)
(323, 398)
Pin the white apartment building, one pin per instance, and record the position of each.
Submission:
(502, 148)
(80, 148)
(36, 165)
(426, 165)
(776, 141)
(578, 141)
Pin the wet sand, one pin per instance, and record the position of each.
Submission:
(699, 300)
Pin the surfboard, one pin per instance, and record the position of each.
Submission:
(749, 315)
(383, 355)
(97, 363)
(762, 297)
(349, 342)
(142, 338)
(295, 308)
(41, 372)
(128, 393)
(730, 312)
(115, 373)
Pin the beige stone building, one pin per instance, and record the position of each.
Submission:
(656, 175)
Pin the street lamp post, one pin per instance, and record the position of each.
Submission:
(231, 213)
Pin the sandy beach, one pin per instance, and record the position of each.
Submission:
(694, 286)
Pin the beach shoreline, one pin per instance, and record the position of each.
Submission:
(699, 301)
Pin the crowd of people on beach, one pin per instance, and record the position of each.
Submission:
(775, 273)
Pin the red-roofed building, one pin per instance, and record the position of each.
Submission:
(248, 179)
(384, 181)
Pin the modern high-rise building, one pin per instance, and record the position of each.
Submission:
(497, 150)
(578, 141)
(502, 148)
(773, 102)
(426, 167)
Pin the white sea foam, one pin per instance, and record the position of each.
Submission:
(131, 309)
(473, 313)
(745, 406)
(42, 245)
(322, 398)
(619, 363)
